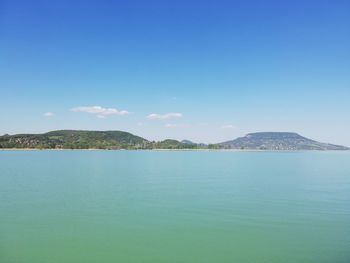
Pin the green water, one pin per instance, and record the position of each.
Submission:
(161, 206)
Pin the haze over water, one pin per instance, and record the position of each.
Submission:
(174, 206)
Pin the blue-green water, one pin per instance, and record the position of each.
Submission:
(163, 206)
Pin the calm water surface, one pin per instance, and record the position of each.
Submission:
(161, 206)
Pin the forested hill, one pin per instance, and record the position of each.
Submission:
(75, 139)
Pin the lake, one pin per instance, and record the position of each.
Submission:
(174, 206)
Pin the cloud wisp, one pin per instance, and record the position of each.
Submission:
(173, 125)
(156, 116)
(48, 114)
(99, 111)
(229, 126)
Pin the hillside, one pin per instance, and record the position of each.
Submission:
(75, 139)
(173, 144)
(278, 141)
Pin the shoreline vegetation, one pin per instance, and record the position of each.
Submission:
(166, 150)
(120, 140)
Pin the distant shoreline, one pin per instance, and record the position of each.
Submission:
(172, 150)
(121, 140)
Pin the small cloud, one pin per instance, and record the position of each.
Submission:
(99, 111)
(229, 126)
(48, 114)
(101, 116)
(156, 116)
(172, 125)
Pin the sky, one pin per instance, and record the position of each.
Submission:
(208, 71)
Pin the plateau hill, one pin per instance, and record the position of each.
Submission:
(277, 141)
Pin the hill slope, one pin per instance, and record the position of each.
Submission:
(278, 141)
(74, 139)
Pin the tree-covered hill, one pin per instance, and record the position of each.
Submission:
(174, 144)
(75, 139)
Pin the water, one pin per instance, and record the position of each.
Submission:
(179, 206)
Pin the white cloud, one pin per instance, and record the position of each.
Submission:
(172, 125)
(156, 116)
(48, 114)
(99, 111)
(228, 126)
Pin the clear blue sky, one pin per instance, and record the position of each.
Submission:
(208, 71)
